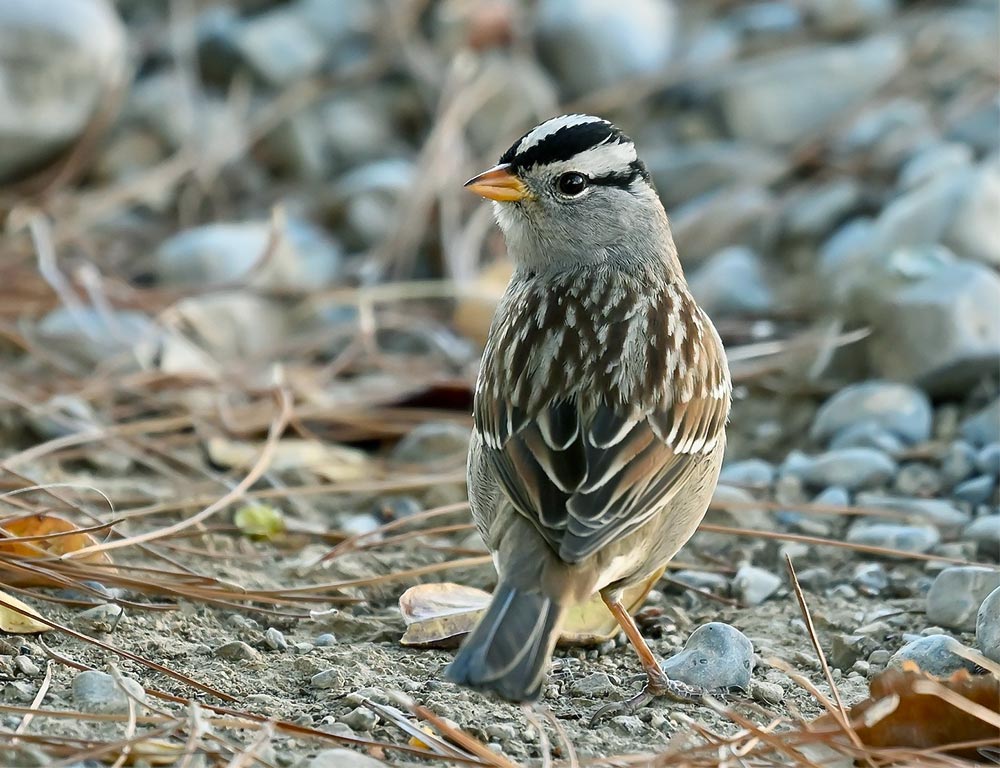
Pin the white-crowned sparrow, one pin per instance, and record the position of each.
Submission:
(601, 403)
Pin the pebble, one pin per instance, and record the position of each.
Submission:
(917, 479)
(983, 427)
(901, 409)
(26, 666)
(325, 640)
(360, 719)
(879, 657)
(957, 463)
(988, 460)
(985, 532)
(867, 435)
(886, 133)
(845, 650)
(431, 442)
(344, 758)
(594, 685)
(933, 161)
(101, 618)
(589, 44)
(975, 490)
(870, 579)
(279, 46)
(275, 639)
(846, 17)
(988, 626)
(329, 678)
(98, 693)
(732, 282)
(972, 230)
(716, 655)
(779, 98)
(907, 538)
(957, 593)
(933, 654)
(704, 580)
(61, 59)
(816, 212)
(753, 585)
(755, 474)
(236, 650)
(850, 468)
(945, 515)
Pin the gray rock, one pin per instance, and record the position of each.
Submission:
(704, 580)
(279, 46)
(899, 408)
(687, 171)
(850, 468)
(844, 258)
(779, 99)
(985, 532)
(867, 435)
(329, 678)
(988, 460)
(754, 585)
(594, 685)
(972, 230)
(934, 654)
(815, 212)
(325, 640)
(233, 324)
(765, 23)
(917, 479)
(302, 257)
(344, 758)
(709, 46)
(921, 216)
(732, 282)
(975, 490)
(907, 538)
(846, 17)
(432, 441)
(365, 203)
(847, 649)
(870, 579)
(93, 336)
(98, 693)
(275, 639)
(932, 319)
(360, 719)
(237, 650)
(982, 427)
(734, 214)
(715, 656)
(943, 514)
(61, 62)
(26, 666)
(100, 618)
(977, 127)
(886, 133)
(958, 462)
(957, 593)
(589, 44)
(755, 474)
(347, 34)
(988, 626)
(936, 160)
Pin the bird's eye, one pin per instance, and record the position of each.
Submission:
(572, 183)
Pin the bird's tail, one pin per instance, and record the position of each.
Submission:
(508, 651)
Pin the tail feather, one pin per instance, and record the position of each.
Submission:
(508, 651)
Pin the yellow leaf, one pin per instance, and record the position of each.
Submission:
(260, 521)
(35, 536)
(17, 623)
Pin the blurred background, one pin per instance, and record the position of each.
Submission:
(237, 263)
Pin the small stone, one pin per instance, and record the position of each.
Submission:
(26, 666)
(275, 640)
(236, 650)
(847, 649)
(870, 579)
(898, 408)
(715, 656)
(933, 654)
(982, 427)
(279, 46)
(985, 532)
(815, 213)
(867, 435)
(329, 678)
(595, 685)
(627, 724)
(845, 17)
(98, 693)
(325, 640)
(975, 490)
(344, 758)
(754, 585)
(944, 514)
(850, 468)
(732, 282)
(431, 442)
(957, 463)
(879, 657)
(815, 579)
(767, 692)
(988, 460)
(957, 593)
(988, 626)
(917, 479)
(972, 231)
(862, 667)
(755, 474)
(907, 538)
(704, 580)
(101, 618)
(933, 161)
(360, 719)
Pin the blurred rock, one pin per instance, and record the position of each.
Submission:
(432, 441)
(846, 17)
(977, 127)
(732, 282)
(590, 44)
(933, 319)
(976, 490)
(867, 434)
(348, 33)
(763, 24)
(939, 512)
(755, 474)
(713, 221)
(302, 257)
(972, 231)
(363, 206)
(899, 408)
(944, 158)
(61, 61)
(715, 656)
(886, 133)
(934, 654)
(907, 538)
(988, 626)
(232, 326)
(816, 211)
(521, 91)
(957, 593)
(99, 693)
(684, 172)
(93, 336)
(279, 46)
(781, 98)
(983, 427)
(850, 468)
(754, 585)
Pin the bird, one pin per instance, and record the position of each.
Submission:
(600, 405)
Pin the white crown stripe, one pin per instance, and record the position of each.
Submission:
(549, 127)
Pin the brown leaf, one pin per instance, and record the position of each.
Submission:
(40, 536)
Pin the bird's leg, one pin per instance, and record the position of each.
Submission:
(657, 683)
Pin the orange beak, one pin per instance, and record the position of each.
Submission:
(498, 183)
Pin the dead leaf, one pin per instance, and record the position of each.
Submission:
(336, 463)
(47, 536)
(16, 623)
(908, 708)
(440, 615)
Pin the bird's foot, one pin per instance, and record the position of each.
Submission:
(658, 685)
